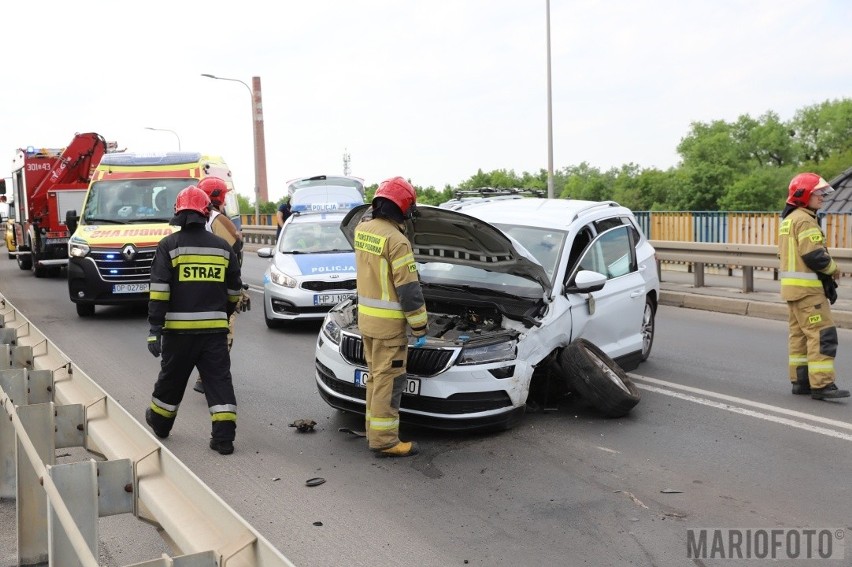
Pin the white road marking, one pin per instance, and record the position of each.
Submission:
(699, 396)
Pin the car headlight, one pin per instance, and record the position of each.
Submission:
(77, 247)
(280, 278)
(331, 329)
(488, 353)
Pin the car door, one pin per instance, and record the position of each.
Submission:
(611, 317)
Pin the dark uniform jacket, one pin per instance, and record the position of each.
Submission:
(195, 282)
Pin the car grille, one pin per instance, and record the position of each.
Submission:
(457, 404)
(348, 285)
(421, 361)
(114, 268)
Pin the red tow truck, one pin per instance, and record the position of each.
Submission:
(46, 184)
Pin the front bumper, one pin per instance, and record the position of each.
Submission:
(458, 398)
(85, 285)
(296, 304)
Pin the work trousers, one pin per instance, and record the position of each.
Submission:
(812, 342)
(208, 352)
(386, 360)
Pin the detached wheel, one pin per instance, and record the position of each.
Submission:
(597, 378)
(648, 328)
(85, 309)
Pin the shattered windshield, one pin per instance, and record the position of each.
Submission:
(133, 200)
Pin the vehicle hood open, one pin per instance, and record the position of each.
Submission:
(443, 235)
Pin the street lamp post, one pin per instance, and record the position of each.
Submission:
(254, 144)
(165, 130)
(549, 115)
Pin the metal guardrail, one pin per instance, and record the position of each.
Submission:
(745, 256)
(51, 403)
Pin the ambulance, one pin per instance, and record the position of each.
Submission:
(125, 213)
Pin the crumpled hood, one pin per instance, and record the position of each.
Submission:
(443, 235)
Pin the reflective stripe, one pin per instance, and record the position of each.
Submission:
(403, 261)
(159, 296)
(189, 325)
(378, 303)
(418, 320)
(223, 408)
(236, 292)
(799, 275)
(198, 251)
(384, 423)
(223, 416)
(383, 277)
(798, 360)
(821, 366)
(201, 315)
(801, 282)
(381, 313)
(160, 287)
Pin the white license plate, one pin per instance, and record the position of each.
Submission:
(412, 385)
(329, 298)
(130, 288)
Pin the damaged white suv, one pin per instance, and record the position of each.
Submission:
(523, 295)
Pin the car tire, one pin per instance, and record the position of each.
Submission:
(85, 309)
(597, 378)
(25, 262)
(270, 323)
(648, 328)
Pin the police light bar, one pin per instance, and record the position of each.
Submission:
(167, 158)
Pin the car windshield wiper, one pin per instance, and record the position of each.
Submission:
(147, 220)
(93, 220)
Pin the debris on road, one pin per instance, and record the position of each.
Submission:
(304, 425)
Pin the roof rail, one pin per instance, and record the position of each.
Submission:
(497, 191)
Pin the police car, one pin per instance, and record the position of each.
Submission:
(312, 266)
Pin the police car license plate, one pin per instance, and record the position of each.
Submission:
(329, 298)
(412, 385)
(130, 288)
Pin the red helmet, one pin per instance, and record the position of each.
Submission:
(215, 189)
(193, 199)
(803, 186)
(399, 191)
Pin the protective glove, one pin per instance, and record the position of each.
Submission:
(245, 302)
(420, 342)
(155, 341)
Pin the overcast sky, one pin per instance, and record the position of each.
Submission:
(430, 90)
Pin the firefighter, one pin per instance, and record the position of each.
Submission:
(220, 225)
(389, 302)
(195, 286)
(808, 282)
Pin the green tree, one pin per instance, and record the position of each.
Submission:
(823, 129)
(761, 189)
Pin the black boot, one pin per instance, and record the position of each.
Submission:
(159, 430)
(199, 386)
(830, 392)
(801, 388)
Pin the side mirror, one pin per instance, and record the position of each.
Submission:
(71, 220)
(265, 252)
(586, 281)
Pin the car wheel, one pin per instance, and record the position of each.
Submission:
(25, 262)
(85, 309)
(270, 323)
(648, 329)
(597, 378)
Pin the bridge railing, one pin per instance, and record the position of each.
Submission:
(51, 403)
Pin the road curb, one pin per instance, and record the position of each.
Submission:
(762, 309)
